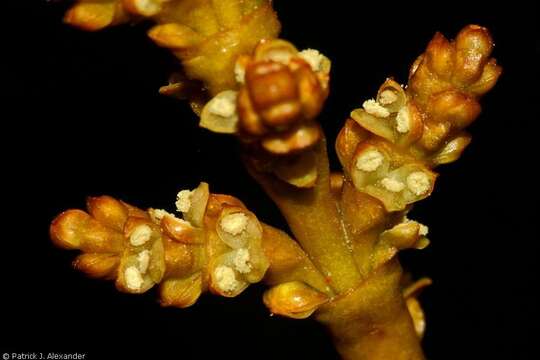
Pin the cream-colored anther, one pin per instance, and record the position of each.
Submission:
(234, 223)
(241, 261)
(374, 108)
(157, 214)
(387, 97)
(143, 258)
(403, 120)
(222, 106)
(219, 114)
(225, 279)
(140, 235)
(239, 72)
(369, 161)
(392, 185)
(183, 201)
(133, 278)
(147, 7)
(283, 57)
(423, 231)
(418, 182)
(313, 57)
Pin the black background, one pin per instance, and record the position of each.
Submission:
(84, 118)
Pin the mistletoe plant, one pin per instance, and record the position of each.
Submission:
(341, 266)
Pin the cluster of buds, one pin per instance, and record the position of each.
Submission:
(208, 36)
(389, 146)
(281, 92)
(118, 241)
(446, 83)
(96, 15)
(216, 246)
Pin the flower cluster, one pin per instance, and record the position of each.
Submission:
(281, 92)
(216, 246)
(389, 146)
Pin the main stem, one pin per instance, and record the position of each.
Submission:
(368, 319)
(314, 219)
(372, 322)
